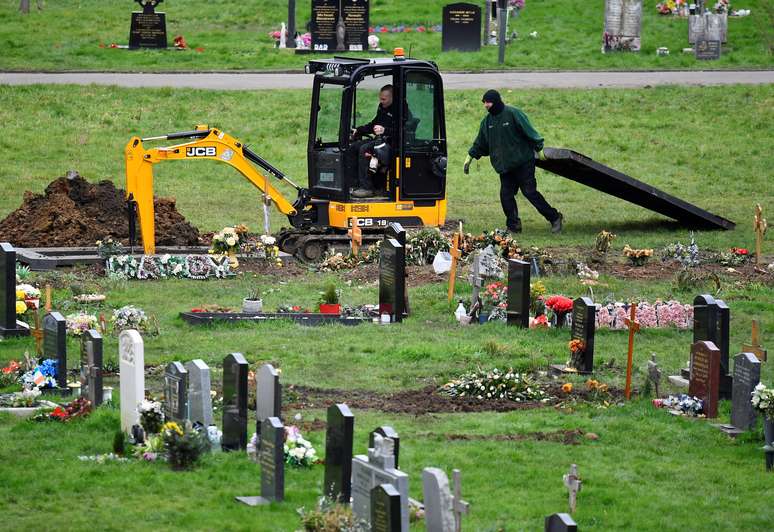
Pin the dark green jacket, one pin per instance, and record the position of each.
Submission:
(508, 139)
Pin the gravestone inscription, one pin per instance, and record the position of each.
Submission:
(176, 392)
(338, 453)
(392, 279)
(131, 352)
(268, 395)
(518, 293)
(148, 28)
(461, 27)
(355, 16)
(55, 345)
(705, 375)
(9, 325)
(199, 397)
(747, 375)
(235, 369)
(91, 367)
(385, 509)
(325, 13)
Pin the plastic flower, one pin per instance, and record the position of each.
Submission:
(21, 307)
(567, 387)
(171, 426)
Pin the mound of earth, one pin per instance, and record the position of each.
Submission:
(73, 212)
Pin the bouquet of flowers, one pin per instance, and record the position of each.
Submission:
(559, 304)
(10, 374)
(228, 240)
(494, 299)
(638, 257)
(577, 347)
(80, 322)
(298, 451)
(80, 407)
(42, 376)
(683, 403)
(29, 295)
(262, 247)
(422, 247)
(151, 416)
(495, 385)
(108, 247)
(763, 401)
(183, 445)
(129, 317)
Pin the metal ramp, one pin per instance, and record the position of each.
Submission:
(579, 168)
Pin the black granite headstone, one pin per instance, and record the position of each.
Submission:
(176, 392)
(338, 453)
(91, 366)
(325, 14)
(461, 27)
(747, 375)
(396, 231)
(234, 402)
(560, 523)
(392, 279)
(355, 15)
(386, 431)
(148, 28)
(55, 345)
(9, 326)
(385, 509)
(711, 322)
(518, 293)
(707, 49)
(584, 314)
(272, 459)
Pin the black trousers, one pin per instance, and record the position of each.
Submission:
(523, 178)
(357, 159)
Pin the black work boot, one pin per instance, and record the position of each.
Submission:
(515, 228)
(556, 225)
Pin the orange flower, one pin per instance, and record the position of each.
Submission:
(567, 387)
(576, 345)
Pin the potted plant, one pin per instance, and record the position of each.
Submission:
(253, 301)
(763, 403)
(329, 301)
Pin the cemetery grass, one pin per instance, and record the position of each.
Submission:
(234, 36)
(708, 146)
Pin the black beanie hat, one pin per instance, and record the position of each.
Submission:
(497, 103)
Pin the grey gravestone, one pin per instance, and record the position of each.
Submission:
(55, 345)
(705, 375)
(385, 509)
(338, 453)
(623, 25)
(355, 15)
(9, 325)
(234, 402)
(199, 398)
(176, 392)
(560, 523)
(747, 375)
(386, 431)
(518, 293)
(654, 374)
(583, 328)
(375, 469)
(461, 25)
(148, 28)
(708, 26)
(91, 367)
(392, 279)
(268, 395)
(271, 456)
(711, 322)
(439, 505)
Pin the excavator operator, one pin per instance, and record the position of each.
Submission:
(362, 151)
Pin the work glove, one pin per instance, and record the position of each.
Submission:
(542, 155)
(466, 167)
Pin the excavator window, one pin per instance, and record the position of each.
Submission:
(328, 116)
(422, 126)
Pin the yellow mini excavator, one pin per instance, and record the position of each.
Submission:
(410, 174)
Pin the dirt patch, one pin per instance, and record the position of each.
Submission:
(417, 275)
(74, 212)
(567, 437)
(289, 270)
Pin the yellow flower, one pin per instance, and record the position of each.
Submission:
(20, 295)
(567, 387)
(173, 427)
(21, 307)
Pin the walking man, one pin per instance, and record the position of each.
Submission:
(510, 141)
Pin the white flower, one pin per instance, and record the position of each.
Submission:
(231, 241)
(268, 240)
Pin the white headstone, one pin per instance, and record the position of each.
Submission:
(439, 508)
(199, 398)
(131, 354)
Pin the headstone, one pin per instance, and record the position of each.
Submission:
(339, 25)
(439, 514)
(476, 280)
(199, 387)
(518, 293)
(271, 456)
(91, 367)
(623, 25)
(55, 345)
(583, 329)
(654, 374)
(705, 375)
(356, 18)
(560, 523)
(461, 26)
(392, 279)
(385, 509)
(375, 469)
(338, 453)
(9, 325)
(268, 395)
(235, 369)
(325, 13)
(396, 231)
(386, 431)
(132, 377)
(707, 25)
(148, 28)
(711, 322)
(747, 375)
(176, 392)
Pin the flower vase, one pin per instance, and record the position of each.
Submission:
(252, 305)
(483, 317)
(768, 431)
(232, 259)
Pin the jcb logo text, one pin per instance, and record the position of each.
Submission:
(201, 151)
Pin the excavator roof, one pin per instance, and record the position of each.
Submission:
(346, 66)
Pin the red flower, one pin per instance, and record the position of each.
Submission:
(739, 251)
(12, 367)
(559, 303)
(59, 413)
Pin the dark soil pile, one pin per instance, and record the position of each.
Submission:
(74, 212)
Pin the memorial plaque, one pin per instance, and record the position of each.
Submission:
(385, 509)
(199, 398)
(623, 25)
(268, 395)
(234, 402)
(9, 325)
(386, 431)
(705, 49)
(148, 28)
(518, 293)
(705, 375)
(91, 367)
(392, 279)
(747, 375)
(55, 345)
(461, 27)
(338, 453)
(131, 352)
(325, 14)
(272, 459)
(711, 322)
(560, 523)
(176, 392)
(355, 16)
(583, 329)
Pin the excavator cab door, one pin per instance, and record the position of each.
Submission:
(325, 158)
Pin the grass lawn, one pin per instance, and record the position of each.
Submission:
(234, 36)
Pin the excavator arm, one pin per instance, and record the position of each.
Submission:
(204, 143)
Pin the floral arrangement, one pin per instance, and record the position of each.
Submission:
(333, 262)
(422, 247)
(188, 267)
(603, 241)
(586, 274)
(683, 403)
(9, 375)
(80, 407)
(298, 451)
(539, 322)
(184, 446)
(151, 416)
(261, 247)
(329, 515)
(597, 388)
(229, 239)
(576, 347)
(734, 257)
(129, 317)
(658, 314)
(559, 306)
(763, 401)
(517, 4)
(638, 257)
(27, 297)
(108, 247)
(687, 256)
(402, 28)
(22, 272)
(495, 385)
(41, 376)
(494, 299)
(80, 322)
(537, 292)
(499, 239)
